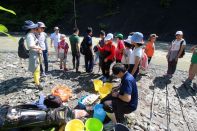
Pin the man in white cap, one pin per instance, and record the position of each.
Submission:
(175, 52)
(42, 40)
(55, 39)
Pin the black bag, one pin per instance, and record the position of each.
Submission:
(53, 101)
(22, 51)
(83, 46)
(183, 52)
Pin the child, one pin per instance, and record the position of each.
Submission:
(62, 51)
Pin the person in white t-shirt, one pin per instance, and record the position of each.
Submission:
(175, 52)
(55, 39)
(136, 55)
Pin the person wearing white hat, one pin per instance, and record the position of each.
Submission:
(42, 40)
(175, 52)
(108, 51)
(34, 51)
(136, 55)
(55, 39)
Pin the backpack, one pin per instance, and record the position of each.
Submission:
(83, 47)
(53, 101)
(183, 52)
(22, 51)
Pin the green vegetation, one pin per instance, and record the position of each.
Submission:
(165, 3)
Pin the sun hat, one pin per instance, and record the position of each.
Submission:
(120, 36)
(154, 35)
(137, 37)
(41, 24)
(56, 28)
(179, 33)
(109, 37)
(63, 36)
(128, 40)
(29, 25)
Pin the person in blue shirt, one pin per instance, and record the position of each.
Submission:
(124, 99)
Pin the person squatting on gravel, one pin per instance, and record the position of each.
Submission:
(35, 51)
(123, 99)
(62, 51)
(42, 40)
(174, 53)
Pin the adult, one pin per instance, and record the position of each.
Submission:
(74, 42)
(89, 58)
(150, 46)
(55, 39)
(35, 51)
(108, 51)
(42, 40)
(101, 44)
(174, 53)
(136, 55)
(122, 100)
(193, 66)
(119, 48)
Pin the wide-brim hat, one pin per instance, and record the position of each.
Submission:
(128, 40)
(29, 25)
(109, 36)
(137, 37)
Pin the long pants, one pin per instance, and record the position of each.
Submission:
(89, 62)
(45, 56)
(171, 67)
(96, 59)
(149, 59)
(119, 107)
(105, 67)
(37, 76)
(56, 52)
(76, 60)
(131, 66)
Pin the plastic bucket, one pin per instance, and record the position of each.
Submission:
(97, 84)
(99, 112)
(93, 124)
(104, 92)
(75, 125)
(108, 85)
(121, 127)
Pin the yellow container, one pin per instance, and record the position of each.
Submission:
(108, 85)
(104, 92)
(97, 84)
(75, 125)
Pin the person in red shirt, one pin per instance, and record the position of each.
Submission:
(120, 48)
(62, 51)
(108, 51)
(150, 47)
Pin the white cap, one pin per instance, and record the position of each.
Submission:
(56, 28)
(128, 40)
(179, 33)
(109, 37)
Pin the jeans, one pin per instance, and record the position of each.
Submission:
(77, 57)
(131, 66)
(89, 62)
(45, 56)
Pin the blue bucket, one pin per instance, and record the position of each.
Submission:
(99, 112)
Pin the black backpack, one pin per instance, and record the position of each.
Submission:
(22, 51)
(83, 46)
(183, 52)
(53, 101)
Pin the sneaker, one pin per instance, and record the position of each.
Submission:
(168, 75)
(43, 74)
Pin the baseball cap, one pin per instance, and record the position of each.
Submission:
(109, 37)
(153, 35)
(179, 33)
(137, 37)
(119, 36)
(56, 28)
(41, 24)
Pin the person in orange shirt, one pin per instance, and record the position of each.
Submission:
(150, 46)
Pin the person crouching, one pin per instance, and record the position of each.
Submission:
(62, 51)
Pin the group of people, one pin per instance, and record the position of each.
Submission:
(128, 55)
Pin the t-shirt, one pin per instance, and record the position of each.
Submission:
(119, 48)
(88, 42)
(126, 56)
(150, 49)
(74, 42)
(136, 52)
(194, 57)
(63, 47)
(128, 86)
(56, 38)
(42, 40)
(31, 40)
(176, 44)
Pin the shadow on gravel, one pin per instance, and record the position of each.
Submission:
(186, 91)
(13, 85)
(161, 82)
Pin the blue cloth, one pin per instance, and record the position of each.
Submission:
(128, 86)
(40, 103)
